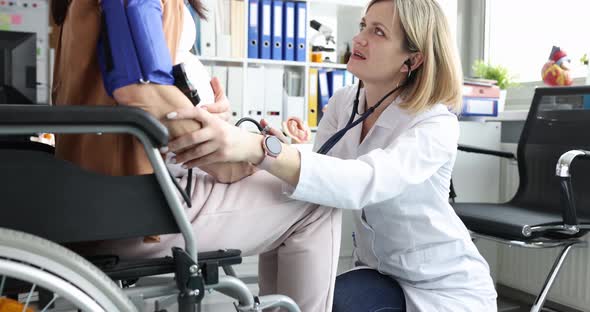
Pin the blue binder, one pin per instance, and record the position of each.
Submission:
(277, 30)
(197, 19)
(335, 81)
(253, 28)
(323, 92)
(348, 78)
(264, 31)
(300, 31)
(289, 31)
(476, 106)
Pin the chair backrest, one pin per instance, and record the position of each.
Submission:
(558, 121)
(61, 202)
(57, 200)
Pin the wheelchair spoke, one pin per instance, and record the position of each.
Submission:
(29, 297)
(55, 296)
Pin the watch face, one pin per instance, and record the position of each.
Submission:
(273, 145)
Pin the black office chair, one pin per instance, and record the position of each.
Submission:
(550, 208)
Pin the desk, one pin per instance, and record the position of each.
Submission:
(511, 121)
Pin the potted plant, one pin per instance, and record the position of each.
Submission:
(497, 73)
(584, 60)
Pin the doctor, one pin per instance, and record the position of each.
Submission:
(390, 147)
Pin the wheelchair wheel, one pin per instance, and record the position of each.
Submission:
(32, 263)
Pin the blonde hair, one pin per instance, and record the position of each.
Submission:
(439, 78)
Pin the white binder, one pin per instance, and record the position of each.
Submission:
(254, 105)
(273, 96)
(294, 106)
(234, 91)
(208, 29)
(221, 73)
(223, 29)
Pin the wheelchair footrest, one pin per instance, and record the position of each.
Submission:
(209, 262)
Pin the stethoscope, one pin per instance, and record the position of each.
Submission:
(327, 146)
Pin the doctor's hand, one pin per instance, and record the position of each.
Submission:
(216, 142)
(273, 131)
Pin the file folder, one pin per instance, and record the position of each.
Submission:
(323, 92)
(254, 100)
(207, 34)
(221, 73)
(294, 107)
(253, 29)
(237, 29)
(348, 78)
(197, 45)
(234, 91)
(289, 31)
(264, 33)
(294, 83)
(478, 106)
(273, 96)
(335, 81)
(223, 28)
(312, 100)
(300, 30)
(277, 30)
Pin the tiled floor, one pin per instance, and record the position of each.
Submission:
(221, 304)
(507, 305)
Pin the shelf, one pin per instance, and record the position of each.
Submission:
(510, 115)
(274, 62)
(220, 59)
(208, 59)
(328, 65)
(352, 3)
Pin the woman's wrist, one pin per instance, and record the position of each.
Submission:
(256, 152)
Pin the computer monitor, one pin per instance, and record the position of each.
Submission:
(18, 67)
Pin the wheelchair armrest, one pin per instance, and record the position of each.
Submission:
(25, 119)
(472, 149)
(562, 170)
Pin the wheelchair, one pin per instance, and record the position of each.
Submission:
(48, 203)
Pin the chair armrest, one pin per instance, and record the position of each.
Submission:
(19, 119)
(562, 170)
(472, 149)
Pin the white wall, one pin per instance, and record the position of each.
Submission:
(477, 177)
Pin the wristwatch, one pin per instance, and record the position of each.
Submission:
(272, 147)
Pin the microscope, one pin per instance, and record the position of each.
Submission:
(317, 49)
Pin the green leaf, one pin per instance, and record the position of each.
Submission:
(494, 72)
(584, 59)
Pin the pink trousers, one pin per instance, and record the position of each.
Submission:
(298, 243)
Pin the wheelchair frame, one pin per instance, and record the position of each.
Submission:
(188, 277)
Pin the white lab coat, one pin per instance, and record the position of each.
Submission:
(397, 181)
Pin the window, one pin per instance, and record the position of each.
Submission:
(521, 34)
(449, 7)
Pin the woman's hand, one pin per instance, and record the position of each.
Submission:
(216, 142)
(162, 99)
(221, 108)
(273, 131)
